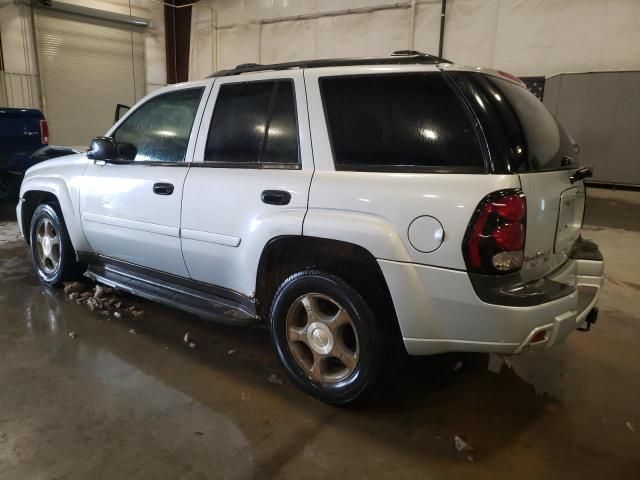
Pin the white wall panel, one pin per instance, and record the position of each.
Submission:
(525, 37)
(237, 45)
(370, 34)
(202, 56)
(19, 90)
(286, 41)
(155, 45)
(470, 28)
(621, 39)
(548, 36)
(17, 38)
(427, 33)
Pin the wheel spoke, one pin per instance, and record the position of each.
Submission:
(40, 252)
(339, 319)
(54, 256)
(310, 307)
(342, 353)
(316, 368)
(40, 233)
(298, 334)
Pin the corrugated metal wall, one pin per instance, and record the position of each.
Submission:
(602, 112)
(88, 66)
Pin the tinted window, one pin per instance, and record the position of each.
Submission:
(281, 145)
(254, 123)
(398, 122)
(521, 133)
(158, 131)
(545, 145)
(239, 122)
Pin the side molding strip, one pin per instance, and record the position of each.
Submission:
(207, 237)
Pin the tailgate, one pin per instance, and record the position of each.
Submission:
(19, 130)
(555, 209)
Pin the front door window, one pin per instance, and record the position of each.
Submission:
(158, 131)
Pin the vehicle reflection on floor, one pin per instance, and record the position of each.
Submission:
(109, 403)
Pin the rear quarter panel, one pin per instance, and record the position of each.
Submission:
(375, 209)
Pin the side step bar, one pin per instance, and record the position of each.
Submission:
(203, 304)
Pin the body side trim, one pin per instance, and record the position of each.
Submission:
(132, 224)
(210, 237)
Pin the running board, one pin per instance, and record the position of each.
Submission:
(203, 304)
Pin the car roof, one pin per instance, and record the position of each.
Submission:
(401, 57)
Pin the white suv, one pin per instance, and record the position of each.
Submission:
(356, 206)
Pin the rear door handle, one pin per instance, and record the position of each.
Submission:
(276, 197)
(163, 188)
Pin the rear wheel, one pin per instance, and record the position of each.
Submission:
(327, 338)
(51, 249)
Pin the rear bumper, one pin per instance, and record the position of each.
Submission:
(439, 310)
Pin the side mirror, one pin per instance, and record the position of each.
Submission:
(105, 149)
(120, 111)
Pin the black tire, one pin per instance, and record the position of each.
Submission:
(67, 268)
(371, 342)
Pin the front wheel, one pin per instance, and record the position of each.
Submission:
(51, 249)
(327, 338)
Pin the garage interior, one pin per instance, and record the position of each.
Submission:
(86, 396)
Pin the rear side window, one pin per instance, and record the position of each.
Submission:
(254, 125)
(522, 134)
(546, 145)
(399, 122)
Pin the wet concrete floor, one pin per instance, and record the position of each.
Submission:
(109, 404)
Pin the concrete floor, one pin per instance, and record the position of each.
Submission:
(109, 404)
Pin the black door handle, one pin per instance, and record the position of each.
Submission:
(276, 197)
(581, 173)
(163, 188)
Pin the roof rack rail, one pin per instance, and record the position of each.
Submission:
(400, 57)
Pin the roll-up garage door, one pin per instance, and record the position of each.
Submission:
(87, 66)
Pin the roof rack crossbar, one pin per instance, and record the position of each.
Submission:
(401, 57)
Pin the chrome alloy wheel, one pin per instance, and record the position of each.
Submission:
(322, 338)
(47, 246)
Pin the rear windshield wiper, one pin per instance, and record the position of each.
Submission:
(581, 174)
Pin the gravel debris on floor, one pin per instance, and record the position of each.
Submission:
(463, 448)
(100, 298)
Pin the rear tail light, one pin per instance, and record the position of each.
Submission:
(44, 132)
(494, 242)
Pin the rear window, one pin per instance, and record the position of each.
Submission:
(523, 135)
(399, 122)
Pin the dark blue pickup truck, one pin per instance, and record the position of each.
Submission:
(24, 141)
